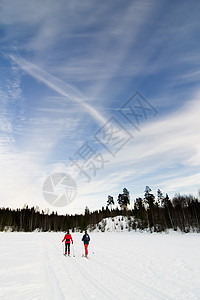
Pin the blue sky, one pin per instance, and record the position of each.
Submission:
(68, 67)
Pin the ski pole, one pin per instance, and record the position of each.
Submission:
(63, 249)
(83, 250)
(73, 250)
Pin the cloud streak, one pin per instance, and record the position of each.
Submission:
(59, 86)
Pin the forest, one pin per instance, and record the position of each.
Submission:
(152, 213)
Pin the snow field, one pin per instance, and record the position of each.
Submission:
(125, 265)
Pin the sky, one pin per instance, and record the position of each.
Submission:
(104, 93)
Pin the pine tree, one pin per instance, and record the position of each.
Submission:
(149, 199)
(124, 199)
(110, 201)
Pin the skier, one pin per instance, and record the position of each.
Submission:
(68, 239)
(86, 239)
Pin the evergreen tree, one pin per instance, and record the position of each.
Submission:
(110, 201)
(149, 199)
(159, 197)
(124, 199)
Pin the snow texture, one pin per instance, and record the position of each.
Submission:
(121, 265)
(119, 223)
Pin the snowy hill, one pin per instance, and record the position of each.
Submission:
(118, 224)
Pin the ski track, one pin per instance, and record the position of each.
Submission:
(53, 290)
(139, 288)
(113, 272)
(149, 290)
(66, 275)
(77, 271)
(170, 282)
(103, 291)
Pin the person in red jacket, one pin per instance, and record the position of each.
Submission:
(68, 239)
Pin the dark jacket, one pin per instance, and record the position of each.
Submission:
(86, 238)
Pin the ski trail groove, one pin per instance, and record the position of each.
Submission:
(124, 277)
(65, 263)
(87, 279)
(54, 290)
(105, 293)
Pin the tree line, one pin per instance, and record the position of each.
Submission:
(153, 213)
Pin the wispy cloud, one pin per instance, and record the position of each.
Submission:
(59, 86)
(164, 149)
(90, 58)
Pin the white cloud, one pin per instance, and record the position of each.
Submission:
(19, 180)
(182, 184)
(101, 47)
(64, 89)
(158, 152)
(162, 150)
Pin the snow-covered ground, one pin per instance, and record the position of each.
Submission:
(121, 265)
